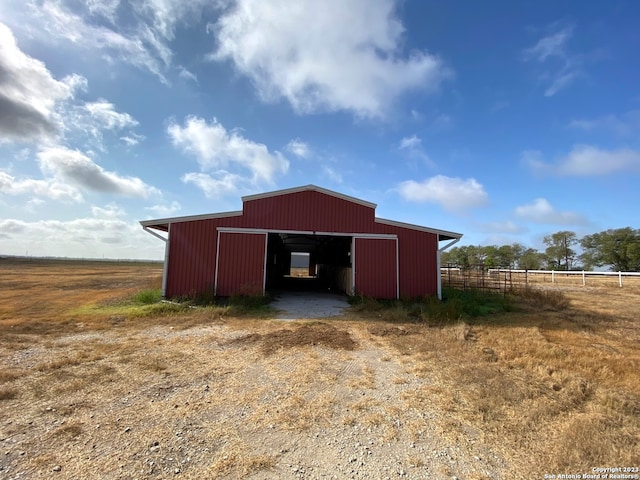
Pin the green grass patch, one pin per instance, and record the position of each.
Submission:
(148, 296)
(234, 306)
(145, 303)
(456, 305)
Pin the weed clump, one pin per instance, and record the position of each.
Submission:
(148, 296)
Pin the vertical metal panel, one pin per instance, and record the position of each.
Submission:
(241, 266)
(192, 258)
(416, 259)
(308, 210)
(375, 267)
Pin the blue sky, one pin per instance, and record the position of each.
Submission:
(501, 120)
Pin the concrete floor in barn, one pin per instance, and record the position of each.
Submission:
(298, 305)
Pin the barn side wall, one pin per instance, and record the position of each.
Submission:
(417, 260)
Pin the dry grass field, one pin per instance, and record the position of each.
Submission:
(95, 383)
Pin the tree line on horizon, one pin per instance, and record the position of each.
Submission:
(616, 249)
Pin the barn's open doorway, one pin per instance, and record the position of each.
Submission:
(300, 261)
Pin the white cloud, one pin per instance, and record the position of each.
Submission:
(450, 193)
(132, 139)
(541, 211)
(507, 226)
(111, 210)
(225, 183)
(165, 210)
(413, 146)
(218, 149)
(91, 121)
(560, 67)
(332, 174)
(552, 45)
(624, 125)
(29, 93)
(325, 56)
(72, 166)
(185, 74)
(88, 237)
(587, 160)
(137, 33)
(44, 188)
(107, 117)
(298, 148)
(410, 143)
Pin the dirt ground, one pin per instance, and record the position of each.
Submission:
(92, 390)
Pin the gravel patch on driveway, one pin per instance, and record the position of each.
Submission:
(301, 305)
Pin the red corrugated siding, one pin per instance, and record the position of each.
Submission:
(192, 258)
(192, 245)
(241, 264)
(310, 210)
(375, 268)
(417, 260)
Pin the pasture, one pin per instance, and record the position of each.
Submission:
(98, 380)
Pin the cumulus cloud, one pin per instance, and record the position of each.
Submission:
(28, 93)
(586, 160)
(450, 193)
(217, 149)
(42, 188)
(541, 211)
(88, 237)
(72, 166)
(334, 55)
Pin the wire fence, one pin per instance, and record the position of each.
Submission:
(505, 279)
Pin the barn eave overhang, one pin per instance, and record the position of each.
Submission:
(162, 224)
(442, 234)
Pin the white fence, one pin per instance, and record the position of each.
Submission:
(503, 279)
(584, 274)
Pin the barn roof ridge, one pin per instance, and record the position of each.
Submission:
(312, 188)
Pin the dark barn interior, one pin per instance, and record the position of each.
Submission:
(328, 267)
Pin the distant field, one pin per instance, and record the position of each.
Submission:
(98, 380)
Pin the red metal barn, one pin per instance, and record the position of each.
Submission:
(341, 242)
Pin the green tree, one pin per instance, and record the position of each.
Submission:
(559, 252)
(509, 255)
(617, 248)
(531, 259)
